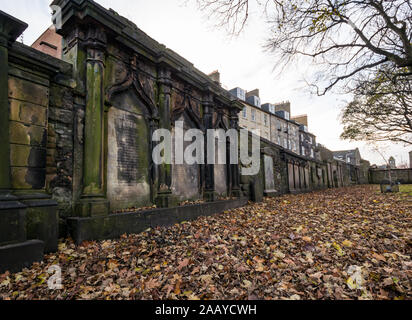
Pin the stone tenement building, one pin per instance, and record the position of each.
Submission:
(276, 124)
(76, 127)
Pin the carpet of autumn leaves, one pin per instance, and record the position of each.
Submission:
(349, 243)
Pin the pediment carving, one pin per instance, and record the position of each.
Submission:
(134, 80)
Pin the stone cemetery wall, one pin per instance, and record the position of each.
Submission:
(35, 137)
(404, 176)
(77, 138)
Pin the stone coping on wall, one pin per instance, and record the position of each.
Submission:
(37, 60)
(14, 257)
(115, 225)
(128, 34)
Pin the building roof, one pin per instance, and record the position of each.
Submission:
(344, 152)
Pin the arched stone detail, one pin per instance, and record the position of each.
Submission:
(129, 168)
(187, 110)
(134, 82)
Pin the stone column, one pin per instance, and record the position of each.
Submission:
(15, 251)
(208, 110)
(234, 168)
(93, 201)
(10, 30)
(12, 212)
(164, 192)
(4, 119)
(410, 159)
(291, 176)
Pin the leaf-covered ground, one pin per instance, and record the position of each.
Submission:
(350, 243)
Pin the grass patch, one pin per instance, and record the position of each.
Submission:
(407, 188)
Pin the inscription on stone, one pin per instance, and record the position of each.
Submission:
(127, 149)
(127, 164)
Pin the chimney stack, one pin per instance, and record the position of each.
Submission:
(253, 98)
(215, 76)
(253, 93)
(303, 120)
(284, 106)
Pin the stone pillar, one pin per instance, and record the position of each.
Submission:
(15, 251)
(4, 111)
(10, 30)
(291, 176)
(93, 201)
(208, 110)
(410, 159)
(164, 191)
(234, 168)
(12, 212)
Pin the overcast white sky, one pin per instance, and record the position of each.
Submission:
(241, 61)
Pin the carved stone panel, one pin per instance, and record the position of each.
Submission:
(220, 172)
(290, 176)
(330, 181)
(128, 183)
(307, 177)
(221, 179)
(297, 176)
(269, 176)
(185, 178)
(302, 177)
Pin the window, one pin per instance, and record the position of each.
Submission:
(253, 115)
(266, 120)
(278, 126)
(312, 154)
(244, 113)
(348, 159)
(272, 108)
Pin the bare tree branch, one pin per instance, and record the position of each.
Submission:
(347, 38)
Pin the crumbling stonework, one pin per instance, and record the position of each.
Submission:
(29, 82)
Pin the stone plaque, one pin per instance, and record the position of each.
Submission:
(297, 176)
(185, 178)
(220, 172)
(269, 176)
(307, 177)
(291, 178)
(221, 179)
(127, 148)
(330, 181)
(127, 163)
(302, 177)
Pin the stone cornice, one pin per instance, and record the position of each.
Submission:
(128, 34)
(39, 61)
(10, 28)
